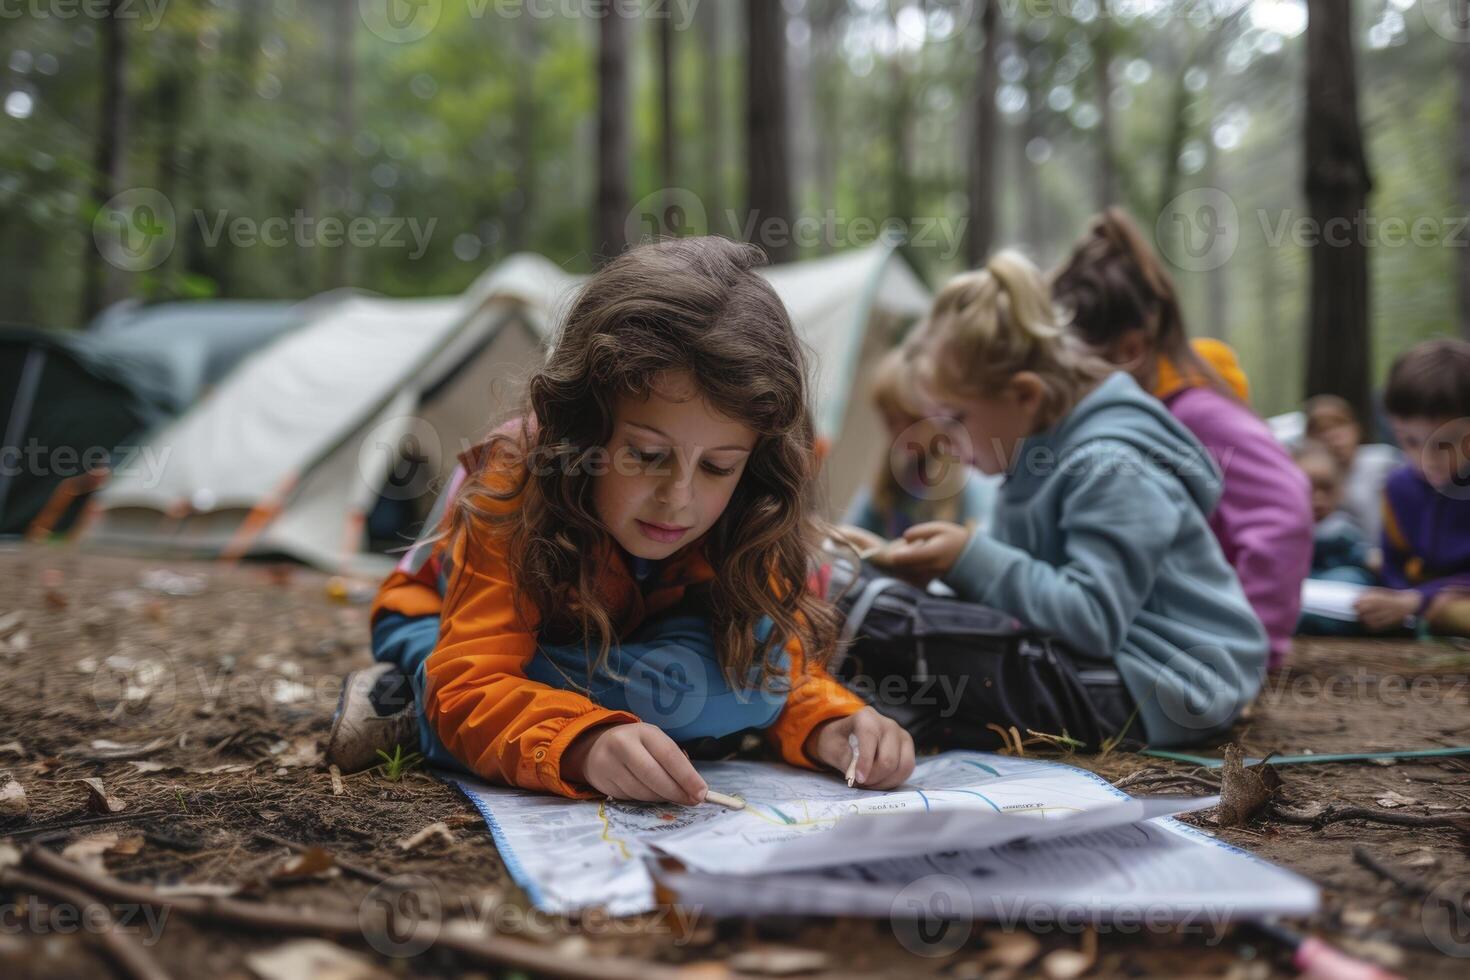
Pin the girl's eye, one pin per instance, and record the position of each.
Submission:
(642, 457)
(717, 471)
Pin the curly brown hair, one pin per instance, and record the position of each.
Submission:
(695, 305)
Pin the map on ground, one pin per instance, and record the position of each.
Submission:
(808, 834)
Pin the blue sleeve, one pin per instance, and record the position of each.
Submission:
(1118, 523)
(403, 640)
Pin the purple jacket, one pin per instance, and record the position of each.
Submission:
(1264, 519)
(1426, 537)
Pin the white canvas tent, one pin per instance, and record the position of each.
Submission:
(378, 396)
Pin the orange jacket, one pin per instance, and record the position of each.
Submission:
(508, 728)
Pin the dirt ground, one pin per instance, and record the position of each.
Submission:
(213, 754)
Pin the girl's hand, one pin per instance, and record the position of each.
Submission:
(634, 762)
(927, 551)
(860, 538)
(885, 750)
(1383, 609)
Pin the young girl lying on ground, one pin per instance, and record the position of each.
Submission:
(1100, 535)
(622, 575)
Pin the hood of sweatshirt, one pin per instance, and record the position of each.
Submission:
(1118, 410)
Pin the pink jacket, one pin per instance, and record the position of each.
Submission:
(1264, 519)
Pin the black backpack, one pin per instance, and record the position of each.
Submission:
(943, 668)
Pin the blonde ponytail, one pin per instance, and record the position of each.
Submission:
(991, 324)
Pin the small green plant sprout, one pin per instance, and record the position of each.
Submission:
(398, 764)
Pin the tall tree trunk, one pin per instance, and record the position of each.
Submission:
(713, 145)
(1462, 71)
(1102, 62)
(523, 135)
(610, 236)
(673, 224)
(827, 72)
(985, 135)
(99, 279)
(168, 107)
(1217, 292)
(767, 150)
(900, 113)
(1033, 206)
(1337, 187)
(341, 264)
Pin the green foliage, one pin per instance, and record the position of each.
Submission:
(483, 132)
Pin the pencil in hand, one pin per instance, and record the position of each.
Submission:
(729, 802)
(852, 743)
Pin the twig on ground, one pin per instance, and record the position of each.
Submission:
(289, 920)
(129, 955)
(352, 868)
(1154, 776)
(1412, 884)
(57, 825)
(1322, 814)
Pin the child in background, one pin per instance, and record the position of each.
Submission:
(1426, 503)
(1120, 300)
(1099, 535)
(925, 481)
(623, 574)
(1340, 551)
(1332, 421)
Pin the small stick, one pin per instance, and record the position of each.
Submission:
(132, 958)
(1409, 883)
(729, 802)
(852, 743)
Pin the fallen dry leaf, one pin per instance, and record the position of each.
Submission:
(1065, 964)
(1010, 950)
(13, 801)
(312, 959)
(1392, 799)
(89, 851)
(337, 788)
(105, 748)
(1243, 791)
(301, 751)
(99, 800)
(314, 862)
(779, 961)
(435, 830)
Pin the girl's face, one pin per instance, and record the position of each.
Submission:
(674, 463)
(997, 425)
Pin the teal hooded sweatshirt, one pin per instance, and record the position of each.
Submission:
(1100, 538)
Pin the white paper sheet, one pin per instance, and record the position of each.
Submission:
(569, 855)
(1160, 872)
(1334, 600)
